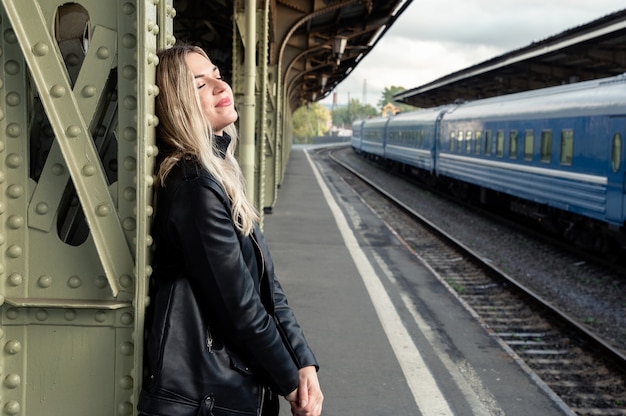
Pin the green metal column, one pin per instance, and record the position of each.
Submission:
(76, 160)
(248, 102)
(250, 57)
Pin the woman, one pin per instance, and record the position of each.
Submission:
(222, 339)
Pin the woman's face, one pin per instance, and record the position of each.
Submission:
(216, 96)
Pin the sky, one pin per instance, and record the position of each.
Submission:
(433, 38)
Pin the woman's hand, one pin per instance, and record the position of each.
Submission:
(307, 399)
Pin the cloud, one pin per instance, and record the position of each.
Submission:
(432, 39)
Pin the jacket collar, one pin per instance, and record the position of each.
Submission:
(221, 144)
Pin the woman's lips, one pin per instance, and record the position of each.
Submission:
(224, 102)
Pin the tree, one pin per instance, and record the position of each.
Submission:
(387, 97)
(344, 116)
(309, 121)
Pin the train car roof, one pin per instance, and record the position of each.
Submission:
(377, 121)
(427, 115)
(590, 51)
(605, 96)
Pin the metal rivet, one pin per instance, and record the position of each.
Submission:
(15, 279)
(41, 315)
(130, 163)
(127, 318)
(130, 102)
(72, 131)
(103, 52)
(72, 59)
(13, 99)
(130, 134)
(15, 191)
(14, 160)
(12, 381)
(101, 316)
(89, 90)
(89, 170)
(57, 91)
(74, 282)
(15, 222)
(12, 67)
(126, 382)
(125, 409)
(128, 8)
(41, 49)
(130, 193)
(126, 281)
(101, 282)
(12, 407)
(14, 251)
(58, 169)
(127, 348)
(42, 208)
(14, 130)
(103, 210)
(129, 41)
(70, 315)
(129, 224)
(13, 347)
(44, 281)
(130, 72)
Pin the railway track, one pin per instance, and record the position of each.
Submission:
(581, 372)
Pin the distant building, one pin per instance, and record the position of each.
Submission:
(338, 131)
(389, 110)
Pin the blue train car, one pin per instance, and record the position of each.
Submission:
(373, 137)
(357, 132)
(411, 138)
(560, 147)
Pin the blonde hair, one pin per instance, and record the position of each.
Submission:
(184, 131)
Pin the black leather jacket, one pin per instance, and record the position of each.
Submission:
(220, 330)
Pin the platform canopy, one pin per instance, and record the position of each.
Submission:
(315, 43)
(590, 51)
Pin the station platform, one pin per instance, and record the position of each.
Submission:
(391, 340)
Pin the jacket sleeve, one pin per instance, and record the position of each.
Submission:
(291, 331)
(212, 254)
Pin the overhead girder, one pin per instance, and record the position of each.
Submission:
(306, 54)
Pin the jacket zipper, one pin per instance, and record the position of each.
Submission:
(209, 339)
(262, 400)
(258, 246)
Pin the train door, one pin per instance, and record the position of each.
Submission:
(437, 136)
(616, 172)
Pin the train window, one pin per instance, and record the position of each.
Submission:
(500, 144)
(468, 141)
(488, 142)
(513, 144)
(452, 141)
(529, 139)
(567, 146)
(477, 142)
(459, 138)
(616, 152)
(546, 146)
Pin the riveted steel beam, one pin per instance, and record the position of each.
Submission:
(73, 135)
